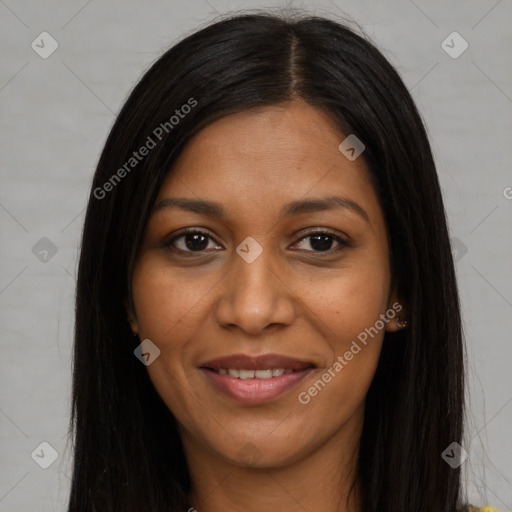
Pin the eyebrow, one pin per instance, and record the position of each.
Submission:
(301, 206)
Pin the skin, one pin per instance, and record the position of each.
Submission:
(292, 300)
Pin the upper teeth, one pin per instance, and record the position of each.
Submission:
(251, 374)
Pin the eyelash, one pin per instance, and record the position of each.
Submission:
(342, 242)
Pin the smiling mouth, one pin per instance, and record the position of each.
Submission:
(255, 380)
(268, 366)
(254, 374)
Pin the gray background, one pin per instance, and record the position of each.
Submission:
(56, 114)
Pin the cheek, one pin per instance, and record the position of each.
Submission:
(350, 301)
(166, 303)
(168, 307)
(347, 311)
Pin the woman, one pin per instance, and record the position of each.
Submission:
(267, 314)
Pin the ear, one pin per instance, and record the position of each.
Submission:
(397, 313)
(132, 318)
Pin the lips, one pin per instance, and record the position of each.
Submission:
(264, 362)
(255, 380)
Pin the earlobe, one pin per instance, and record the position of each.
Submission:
(132, 320)
(402, 324)
(397, 314)
(133, 326)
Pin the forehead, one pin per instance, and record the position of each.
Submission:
(293, 131)
(267, 156)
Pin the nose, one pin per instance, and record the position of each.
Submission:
(255, 297)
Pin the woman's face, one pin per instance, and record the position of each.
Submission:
(283, 274)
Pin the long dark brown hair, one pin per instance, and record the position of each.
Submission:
(127, 453)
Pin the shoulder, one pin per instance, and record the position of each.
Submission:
(483, 509)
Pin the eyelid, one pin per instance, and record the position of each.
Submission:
(325, 231)
(167, 243)
(343, 240)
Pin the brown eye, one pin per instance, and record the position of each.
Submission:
(321, 242)
(192, 241)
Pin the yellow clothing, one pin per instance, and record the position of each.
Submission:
(483, 509)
